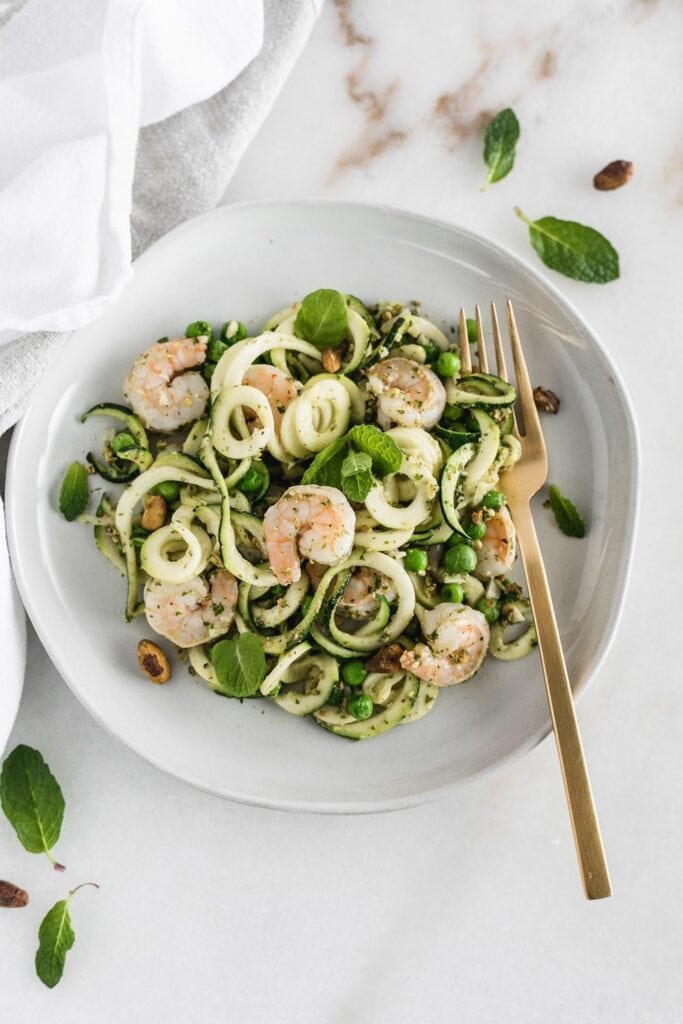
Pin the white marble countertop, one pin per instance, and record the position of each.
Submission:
(468, 909)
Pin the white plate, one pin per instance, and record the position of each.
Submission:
(245, 262)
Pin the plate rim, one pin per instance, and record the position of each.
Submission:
(620, 584)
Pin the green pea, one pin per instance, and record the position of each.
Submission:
(494, 500)
(168, 489)
(448, 364)
(198, 329)
(461, 558)
(489, 608)
(471, 331)
(432, 351)
(233, 331)
(215, 349)
(475, 530)
(122, 442)
(415, 560)
(452, 592)
(452, 414)
(353, 672)
(138, 536)
(361, 707)
(455, 539)
(255, 481)
(306, 604)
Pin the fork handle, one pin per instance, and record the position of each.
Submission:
(589, 848)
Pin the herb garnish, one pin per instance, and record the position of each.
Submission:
(322, 318)
(55, 938)
(501, 138)
(356, 476)
(382, 449)
(74, 494)
(567, 515)
(327, 467)
(573, 249)
(32, 801)
(240, 665)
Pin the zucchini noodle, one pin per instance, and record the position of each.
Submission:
(360, 593)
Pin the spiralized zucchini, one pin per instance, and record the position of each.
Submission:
(397, 519)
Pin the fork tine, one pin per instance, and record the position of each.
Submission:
(498, 344)
(481, 342)
(530, 420)
(465, 358)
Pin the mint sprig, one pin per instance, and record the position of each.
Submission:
(74, 493)
(323, 318)
(384, 452)
(55, 938)
(327, 465)
(502, 135)
(573, 249)
(240, 665)
(356, 476)
(566, 513)
(32, 801)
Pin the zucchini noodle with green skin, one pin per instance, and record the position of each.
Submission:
(330, 486)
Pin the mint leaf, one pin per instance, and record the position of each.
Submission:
(327, 465)
(32, 800)
(322, 319)
(74, 495)
(356, 476)
(383, 450)
(572, 249)
(499, 145)
(55, 938)
(567, 515)
(240, 665)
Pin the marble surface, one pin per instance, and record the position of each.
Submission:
(469, 909)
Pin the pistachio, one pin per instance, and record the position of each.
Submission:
(614, 175)
(387, 659)
(154, 512)
(12, 896)
(153, 662)
(331, 360)
(546, 400)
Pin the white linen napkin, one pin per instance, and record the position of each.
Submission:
(119, 120)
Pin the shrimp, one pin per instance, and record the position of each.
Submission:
(408, 393)
(308, 521)
(498, 546)
(359, 599)
(457, 639)
(279, 389)
(194, 612)
(161, 393)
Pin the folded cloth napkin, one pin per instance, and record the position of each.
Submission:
(82, 84)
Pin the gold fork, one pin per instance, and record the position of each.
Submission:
(519, 485)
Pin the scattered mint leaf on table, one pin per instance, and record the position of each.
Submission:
(55, 938)
(567, 515)
(240, 665)
(572, 249)
(356, 476)
(500, 140)
(74, 494)
(384, 452)
(322, 318)
(32, 801)
(327, 465)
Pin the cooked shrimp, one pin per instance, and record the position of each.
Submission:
(359, 599)
(194, 612)
(279, 389)
(498, 546)
(457, 639)
(408, 393)
(308, 521)
(161, 393)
